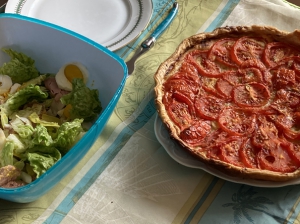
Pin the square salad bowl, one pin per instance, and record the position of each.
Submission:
(51, 47)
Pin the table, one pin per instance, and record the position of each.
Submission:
(128, 177)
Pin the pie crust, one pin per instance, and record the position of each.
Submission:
(204, 41)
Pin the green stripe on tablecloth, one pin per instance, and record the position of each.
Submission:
(201, 189)
(223, 15)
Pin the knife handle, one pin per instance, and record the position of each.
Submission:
(164, 24)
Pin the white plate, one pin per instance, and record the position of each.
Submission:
(184, 158)
(111, 23)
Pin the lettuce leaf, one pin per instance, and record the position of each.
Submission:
(26, 112)
(20, 68)
(84, 101)
(22, 97)
(24, 130)
(19, 145)
(36, 81)
(67, 135)
(6, 155)
(41, 158)
(41, 136)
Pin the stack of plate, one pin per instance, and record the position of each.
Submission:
(111, 23)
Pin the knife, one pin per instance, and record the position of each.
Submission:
(149, 42)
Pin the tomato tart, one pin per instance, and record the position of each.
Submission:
(231, 97)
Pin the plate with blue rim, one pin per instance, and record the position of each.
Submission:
(111, 23)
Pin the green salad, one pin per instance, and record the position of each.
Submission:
(42, 116)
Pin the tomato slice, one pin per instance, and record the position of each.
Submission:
(183, 80)
(213, 152)
(233, 77)
(209, 107)
(224, 87)
(190, 77)
(290, 97)
(264, 131)
(229, 151)
(184, 99)
(204, 65)
(210, 87)
(251, 95)
(289, 125)
(214, 138)
(251, 75)
(266, 75)
(275, 157)
(179, 113)
(294, 152)
(236, 122)
(282, 121)
(187, 67)
(248, 48)
(294, 131)
(283, 78)
(292, 63)
(285, 101)
(248, 154)
(276, 51)
(182, 86)
(221, 51)
(194, 134)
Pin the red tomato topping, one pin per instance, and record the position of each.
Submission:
(229, 151)
(194, 134)
(181, 85)
(251, 95)
(209, 107)
(251, 75)
(204, 65)
(248, 154)
(189, 69)
(210, 86)
(237, 122)
(221, 51)
(224, 87)
(275, 157)
(248, 48)
(233, 77)
(264, 132)
(239, 102)
(294, 152)
(288, 124)
(283, 78)
(180, 114)
(184, 99)
(276, 51)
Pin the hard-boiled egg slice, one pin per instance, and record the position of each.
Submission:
(14, 88)
(68, 72)
(5, 83)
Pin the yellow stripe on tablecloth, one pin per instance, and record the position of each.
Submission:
(200, 189)
(208, 201)
(292, 211)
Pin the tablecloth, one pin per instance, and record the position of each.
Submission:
(128, 177)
